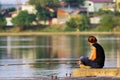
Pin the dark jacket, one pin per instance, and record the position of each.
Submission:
(100, 55)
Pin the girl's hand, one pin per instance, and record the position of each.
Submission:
(78, 62)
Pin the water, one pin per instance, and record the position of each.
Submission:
(44, 56)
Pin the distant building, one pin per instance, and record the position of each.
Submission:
(96, 5)
(9, 23)
(118, 5)
(30, 8)
(95, 20)
(62, 16)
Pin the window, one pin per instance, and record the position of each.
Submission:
(89, 4)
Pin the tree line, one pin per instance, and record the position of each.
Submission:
(79, 22)
(43, 14)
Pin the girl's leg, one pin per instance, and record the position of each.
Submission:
(85, 61)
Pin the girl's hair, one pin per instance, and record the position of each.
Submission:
(92, 39)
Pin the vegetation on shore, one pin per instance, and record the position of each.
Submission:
(23, 22)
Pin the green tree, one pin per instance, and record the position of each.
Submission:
(72, 23)
(44, 3)
(12, 9)
(43, 8)
(116, 20)
(80, 22)
(74, 2)
(85, 21)
(23, 19)
(43, 14)
(107, 23)
(2, 21)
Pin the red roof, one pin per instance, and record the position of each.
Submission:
(101, 1)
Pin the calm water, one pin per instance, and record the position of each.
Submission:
(44, 56)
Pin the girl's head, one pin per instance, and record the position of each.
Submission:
(92, 39)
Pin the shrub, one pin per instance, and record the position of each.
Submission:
(107, 23)
(80, 22)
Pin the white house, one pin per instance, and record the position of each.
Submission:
(96, 5)
(118, 5)
(9, 23)
(95, 20)
(30, 8)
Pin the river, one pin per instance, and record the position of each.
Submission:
(44, 56)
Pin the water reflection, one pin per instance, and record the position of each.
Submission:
(40, 56)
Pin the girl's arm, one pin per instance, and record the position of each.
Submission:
(93, 54)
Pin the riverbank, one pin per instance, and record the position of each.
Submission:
(57, 33)
(66, 78)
